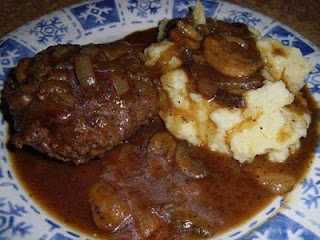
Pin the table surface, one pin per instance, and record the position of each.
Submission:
(303, 16)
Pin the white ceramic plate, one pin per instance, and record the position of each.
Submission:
(295, 218)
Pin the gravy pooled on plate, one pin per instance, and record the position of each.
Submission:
(63, 189)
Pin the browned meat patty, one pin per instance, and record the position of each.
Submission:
(74, 103)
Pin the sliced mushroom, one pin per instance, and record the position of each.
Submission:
(190, 221)
(271, 176)
(109, 211)
(276, 182)
(161, 153)
(204, 79)
(231, 58)
(191, 167)
(228, 90)
(229, 99)
(147, 222)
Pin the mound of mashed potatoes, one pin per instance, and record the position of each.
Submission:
(273, 116)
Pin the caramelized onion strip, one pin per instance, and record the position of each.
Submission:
(84, 71)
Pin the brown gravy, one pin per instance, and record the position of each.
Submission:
(62, 189)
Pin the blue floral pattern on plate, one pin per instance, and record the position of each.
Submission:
(96, 13)
(9, 219)
(55, 28)
(181, 7)
(281, 228)
(314, 79)
(144, 8)
(289, 39)
(52, 28)
(59, 236)
(10, 52)
(21, 218)
(242, 17)
(311, 191)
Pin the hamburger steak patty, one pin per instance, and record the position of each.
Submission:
(76, 102)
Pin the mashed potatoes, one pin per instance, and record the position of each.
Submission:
(273, 121)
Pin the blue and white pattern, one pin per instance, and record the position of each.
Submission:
(96, 13)
(242, 17)
(59, 236)
(10, 222)
(107, 20)
(56, 28)
(147, 11)
(49, 29)
(143, 8)
(232, 13)
(289, 39)
(181, 7)
(311, 191)
(314, 79)
(10, 52)
(281, 228)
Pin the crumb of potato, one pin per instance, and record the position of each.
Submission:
(284, 63)
(270, 129)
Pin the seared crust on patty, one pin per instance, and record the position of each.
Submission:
(74, 103)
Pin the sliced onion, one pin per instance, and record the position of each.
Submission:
(90, 50)
(188, 31)
(120, 84)
(178, 37)
(242, 43)
(245, 84)
(84, 71)
(117, 49)
(22, 70)
(62, 51)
